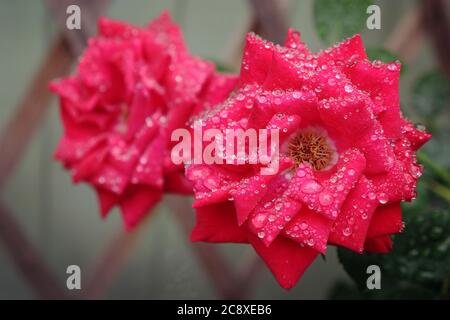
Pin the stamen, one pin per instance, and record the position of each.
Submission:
(313, 146)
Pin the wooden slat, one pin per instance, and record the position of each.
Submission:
(270, 18)
(21, 127)
(90, 11)
(436, 22)
(13, 141)
(111, 260)
(26, 258)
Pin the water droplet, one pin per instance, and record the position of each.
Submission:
(261, 98)
(325, 198)
(296, 94)
(383, 198)
(392, 67)
(301, 173)
(348, 88)
(346, 231)
(303, 226)
(258, 220)
(311, 187)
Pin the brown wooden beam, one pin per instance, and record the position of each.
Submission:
(21, 127)
(436, 22)
(270, 18)
(26, 258)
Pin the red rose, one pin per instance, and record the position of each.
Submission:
(347, 156)
(133, 86)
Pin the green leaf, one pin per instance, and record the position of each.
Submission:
(418, 266)
(438, 171)
(337, 20)
(385, 56)
(220, 66)
(431, 94)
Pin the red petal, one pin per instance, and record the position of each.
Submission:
(386, 220)
(344, 53)
(216, 90)
(149, 169)
(274, 211)
(176, 182)
(136, 204)
(184, 81)
(164, 30)
(324, 193)
(381, 82)
(309, 229)
(351, 123)
(249, 192)
(110, 179)
(285, 258)
(350, 228)
(416, 137)
(110, 28)
(107, 200)
(378, 245)
(217, 223)
(293, 41)
(256, 60)
(282, 74)
(212, 183)
(89, 165)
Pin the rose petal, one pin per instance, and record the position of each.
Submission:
(379, 245)
(350, 228)
(386, 220)
(285, 258)
(217, 223)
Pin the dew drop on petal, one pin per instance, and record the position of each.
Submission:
(258, 220)
(303, 226)
(325, 198)
(301, 173)
(383, 198)
(311, 187)
(346, 231)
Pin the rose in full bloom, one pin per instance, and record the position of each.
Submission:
(132, 87)
(347, 156)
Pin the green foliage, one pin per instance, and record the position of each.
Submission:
(430, 100)
(220, 66)
(419, 265)
(431, 94)
(336, 20)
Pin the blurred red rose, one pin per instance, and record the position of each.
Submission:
(132, 87)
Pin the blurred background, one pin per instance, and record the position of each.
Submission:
(44, 217)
